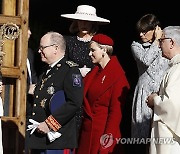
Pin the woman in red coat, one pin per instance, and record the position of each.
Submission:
(105, 90)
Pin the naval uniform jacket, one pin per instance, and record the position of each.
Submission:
(105, 91)
(65, 76)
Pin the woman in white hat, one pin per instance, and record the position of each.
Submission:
(85, 24)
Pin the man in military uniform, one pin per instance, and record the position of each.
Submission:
(58, 96)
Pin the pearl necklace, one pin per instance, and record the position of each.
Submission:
(84, 39)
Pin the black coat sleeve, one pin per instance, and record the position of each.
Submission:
(73, 89)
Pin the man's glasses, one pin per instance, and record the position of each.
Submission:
(41, 48)
(161, 39)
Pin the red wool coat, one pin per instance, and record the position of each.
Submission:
(104, 96)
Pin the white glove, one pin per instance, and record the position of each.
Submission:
(34, 125)
(84, 70)
(52, 135)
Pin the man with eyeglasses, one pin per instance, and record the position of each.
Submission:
(58, 97)
(165, 134)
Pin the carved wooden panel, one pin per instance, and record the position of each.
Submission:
(13, 54)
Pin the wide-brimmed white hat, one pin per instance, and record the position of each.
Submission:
(86, 12)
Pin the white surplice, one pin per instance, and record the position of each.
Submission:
(165, 135)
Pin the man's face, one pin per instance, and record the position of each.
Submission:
(165, 43)
(46, 49)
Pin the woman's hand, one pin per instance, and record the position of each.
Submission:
(157, 34)
(150, 100)
(31, 89)
(84, 70)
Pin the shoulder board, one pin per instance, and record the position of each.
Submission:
(71, 63)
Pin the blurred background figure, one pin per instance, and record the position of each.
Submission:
(31, 82)
(31, 77)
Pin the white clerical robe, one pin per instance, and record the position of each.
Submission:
(165, 135)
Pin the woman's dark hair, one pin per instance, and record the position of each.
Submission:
(147, 22)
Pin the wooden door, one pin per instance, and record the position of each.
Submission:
(14, 43)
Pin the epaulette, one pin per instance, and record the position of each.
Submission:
(71, 63)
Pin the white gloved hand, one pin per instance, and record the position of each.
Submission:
(32, 127)
(52, 135)
(84, 70)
